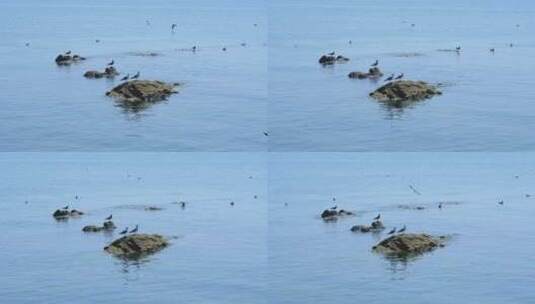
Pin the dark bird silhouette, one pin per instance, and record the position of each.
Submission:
(66, 207)
(334, 207)
(331, 54)
(135, 229)
(173, 26)
(402, 229)
(285, 204)
(125, 77)
(458, 49)
(97, 40)
(400, 76)
(350, 42)
(414, 190)
(390, 78)
(183, 204)
(136, 76)
(500, 203)
(266, 134)
(27, 44)
(232, 203)
(376, 63)
(224, 49)
(392, 231)
(111, 63)
(76, 197)
(334, 199)
(492, 50)
(440, 206)
(68, 53)
(243, 44)
(510, 45)
(194, 48)
(109, 217)
(125, 231)
(377, 217)
(255, 197)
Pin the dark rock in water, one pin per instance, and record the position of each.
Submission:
(332, 215)
(404, 90)
(408, 244)
(137, 92)
(135, 246)
(109, 72)
(64, 59)
(65, 214)
(376, 226)
(107, 226)
(372, 73)
(331, 59)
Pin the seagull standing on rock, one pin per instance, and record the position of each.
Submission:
(135, 229)
(402, 229)
(377, 217)
(392, 231)
(125, 77)
(109, 217)
(376, 63)
(390, 78)
(400, 76)
(136, 76)
(125, 231)
(111, 63)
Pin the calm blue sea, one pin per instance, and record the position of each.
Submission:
(487, 103)
(221, 106)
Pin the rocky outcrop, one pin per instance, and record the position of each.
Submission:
(109, 72)
(142, 91)
(107, 226)
(375, 226)
(409, 244)
(404, 90)
(372, 73)
(65, 213)
(68, 59)
(135, 246)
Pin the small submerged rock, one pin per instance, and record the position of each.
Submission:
(135, 246)
(142, 91)
(332, 59)
(405, 90)
(329, 214)
(109, 72)
(376, 226)
(107, 226)
(409, 244)
(65, 59)
(65, 214)
(373, 73)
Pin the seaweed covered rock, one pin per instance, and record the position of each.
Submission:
(67, 59)
(405, 90)
(109, 72)
(142, 91)
(135, 246)
(373, 73)
(65, 214)
(408, 244)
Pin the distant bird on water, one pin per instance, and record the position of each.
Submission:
(125, 77)
(125, 231)
(173, 27)
(334, 207)
(390, 78)
(331, 53)
(492, 50)
(376, 63)
(400, 76)
(377, 217)
(135, 229)
(68, 53)
(194, 48)
(136, 76)
(112, 62)
(350, 42)
(183, 204)
(458, 49)
(266, 134)
(109, 217)
(66, 207)
(232, 203)
(27, 44)
(500, 203)
(440, 206)
(392, 231)
(224, 49)
(402, 229)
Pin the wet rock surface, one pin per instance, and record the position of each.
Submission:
(405, 90)
(135, 246)
(139, 92)
(109, 72)
(65, 214)
(372, 73)
(65, 59)
(407, 244)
